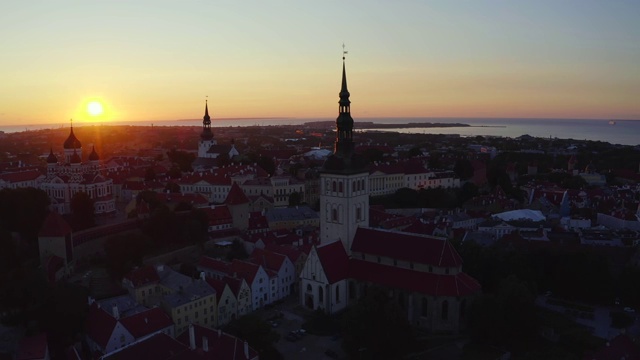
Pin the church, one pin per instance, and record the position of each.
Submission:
(422, 273)
(208, 147)
(72, 175)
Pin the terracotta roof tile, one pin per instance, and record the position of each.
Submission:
(55, 225)
(146, 322)
(334, 260)
(236, 196)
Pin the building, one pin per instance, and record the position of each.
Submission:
(71, 176)
(344, 180)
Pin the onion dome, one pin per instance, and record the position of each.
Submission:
(75, 158)
(52, 159)
(94, 155)
(72, 141)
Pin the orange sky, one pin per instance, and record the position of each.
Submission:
(156, 61)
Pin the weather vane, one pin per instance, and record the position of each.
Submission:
(71, 121)
(343, 51)
(206, 98)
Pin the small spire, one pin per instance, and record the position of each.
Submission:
(206, 107)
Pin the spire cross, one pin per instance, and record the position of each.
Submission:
(343, 51)
(71, 121)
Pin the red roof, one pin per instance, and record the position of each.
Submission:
(146, 322)
(55, 225)
(403, 246)
(143, 276)
(99, 325)
(620, 347)
(21, 176)
(218, 286)
(221, 345)
(292, 253)
(268, 259)
(157, 347)
(422, 282)
(32, 347)
(236, 196)
(244, 269)
(218, 215)
(334, 260)
(214, 264)
(234, 284)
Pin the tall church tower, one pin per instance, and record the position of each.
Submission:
(206, 138)
(344, 181)
(72, 146)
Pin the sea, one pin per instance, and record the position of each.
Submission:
(624, 132)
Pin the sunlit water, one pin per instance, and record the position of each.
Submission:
(626, 132)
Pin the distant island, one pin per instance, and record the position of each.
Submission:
(372, 125)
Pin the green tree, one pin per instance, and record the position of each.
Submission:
(149, 174)
(257, 333)
(82, 210)
(463, 169)
(237, 251)
(267, 164)
(182, 158)
(23, 210)
(223, 160)
(377, 326)
(295, 199)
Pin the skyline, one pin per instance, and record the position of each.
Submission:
(159, 60)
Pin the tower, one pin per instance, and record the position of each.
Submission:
(72, 146)
(206, 137)
(344, 180)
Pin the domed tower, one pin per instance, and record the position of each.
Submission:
(206, 137)
(52, 161)
(344, 180)
(72, 145)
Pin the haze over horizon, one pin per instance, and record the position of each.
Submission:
(148, 61)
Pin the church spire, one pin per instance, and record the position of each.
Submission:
(344, 122)
(206, 123)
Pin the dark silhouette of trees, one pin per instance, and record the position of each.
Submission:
(237, 251)
(267, 164)
(125, 251)
(223, 160)
(295, 199)
(172, 187)
(82, 211)
(149, 174)
(23, 210)
(257, 333)
(373, 154)
(463, 169)
(182, 158)
(378, 326)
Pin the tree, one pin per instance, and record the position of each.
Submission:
(257, 333)
(463, 169)
(174, 172)
(172, 187)
(237, 251)
(82, 210)
(182, 158)
(267, 164)
(23, 210)
(149, 174)
(223, 160)
(378, 325)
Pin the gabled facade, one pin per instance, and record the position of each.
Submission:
(323, 282)
(281, 266)
(257, 279)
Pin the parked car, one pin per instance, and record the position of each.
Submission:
(629, 310)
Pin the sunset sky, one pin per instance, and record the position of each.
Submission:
(157, 60)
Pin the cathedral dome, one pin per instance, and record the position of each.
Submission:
(72, 141)
(94, 155)
(75, 158)
(52, 159)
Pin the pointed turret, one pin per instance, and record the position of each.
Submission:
(344, 158)
(94, 155)
(206, 124)
(75, 158)
(52, 159)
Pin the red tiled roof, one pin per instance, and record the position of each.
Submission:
(221, 345)
(218, 286)
(146, 322)
(236, 196)
(218, 215)
(55, 225)
(620, 347)
(267, 259)
(214, 264)
(292, 253)
(99, 325)
(32, 347)
(334, 260)
(20, 176)
(403, 246)
(423, 282)
(244, 269)
(234, 284)
(157, 347)
(143, 276)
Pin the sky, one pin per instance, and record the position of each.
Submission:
(159, 60)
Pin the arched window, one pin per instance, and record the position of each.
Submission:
(425, 307)
(337, 294)
(334, 186)
(340, 189)
(309, 287)
(445, 310)
(353, 186)
(334, 214)
(321, 293)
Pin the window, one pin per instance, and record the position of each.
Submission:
(340, 187)
(337, 294)
(334, 186)
(334, 215)
(308, 287)
(320, 293)
(425, 307)
(445, 310)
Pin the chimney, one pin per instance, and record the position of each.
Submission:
(205, 343)
(115, 312)
(246, 349)
(192, 337)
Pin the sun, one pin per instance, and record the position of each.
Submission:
(94, 108)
